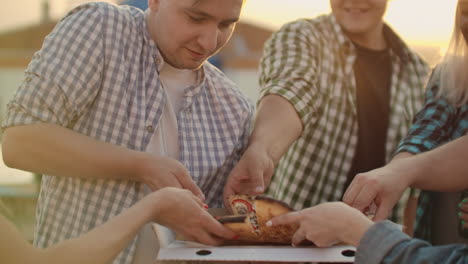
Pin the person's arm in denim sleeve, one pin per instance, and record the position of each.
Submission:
(385, 243)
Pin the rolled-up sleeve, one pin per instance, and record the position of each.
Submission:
(288, 68)
(63, 77)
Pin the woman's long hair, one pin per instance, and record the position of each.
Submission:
(454, 67)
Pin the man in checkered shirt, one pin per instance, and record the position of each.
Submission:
(119, 102)
(338, 93)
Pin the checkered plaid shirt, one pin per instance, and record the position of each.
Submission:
(437, 123)
(310, 63)
(97, 74)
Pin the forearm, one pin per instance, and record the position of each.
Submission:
(54, 150)
(277, 126)
(104, 243)
(441, 169)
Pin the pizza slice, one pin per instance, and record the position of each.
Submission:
(250, 216)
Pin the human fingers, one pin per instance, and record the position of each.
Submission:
(298, 237)
(207, 238)
(383, 210)
(187, 183)
(156, 183)
(463, 213)
(258, 183)
(285, 219)
(228, 191)
(267, 174)
(192, 197)
(215, 228)
(353, 190)
(463, 205)
(365, 196)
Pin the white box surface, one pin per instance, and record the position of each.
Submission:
(172, 250)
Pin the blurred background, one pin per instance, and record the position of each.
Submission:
(424, 24)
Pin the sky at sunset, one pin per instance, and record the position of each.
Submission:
(421, 22)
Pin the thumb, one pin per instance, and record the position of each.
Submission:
(228, 191)
(258, 183)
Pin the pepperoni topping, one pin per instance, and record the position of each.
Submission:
(244, 202)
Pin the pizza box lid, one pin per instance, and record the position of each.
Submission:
(174, 249)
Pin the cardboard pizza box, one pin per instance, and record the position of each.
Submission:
(173, 248)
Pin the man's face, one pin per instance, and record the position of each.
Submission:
(188, 32)
(359, 17)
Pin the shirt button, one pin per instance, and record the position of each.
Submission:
(150, 129)
(158, 61)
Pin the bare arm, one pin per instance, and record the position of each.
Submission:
(442, 169)
(54, 150)
(168, 207)
(276, 127)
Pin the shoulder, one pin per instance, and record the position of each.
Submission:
(314, 31)
(420, 64)
(226, 90)
(104, 13)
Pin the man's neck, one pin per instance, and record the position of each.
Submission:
(182, 76)
(373, 40)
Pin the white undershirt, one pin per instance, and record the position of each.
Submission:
(164, 142)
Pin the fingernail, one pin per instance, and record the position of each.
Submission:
(201, 196)
(205, 205)
(269, 223)
(235, 237)
(217, 217)
(259, 189)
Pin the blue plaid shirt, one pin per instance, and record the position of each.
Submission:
(437, 123)
(98, 74)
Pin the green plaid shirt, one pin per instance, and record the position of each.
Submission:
(310, 63)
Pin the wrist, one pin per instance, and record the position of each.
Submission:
(140, 168)
(404, 165)
(267, 150)
(356, 231)
(154, 206)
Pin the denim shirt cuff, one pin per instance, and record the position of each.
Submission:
(378, 241)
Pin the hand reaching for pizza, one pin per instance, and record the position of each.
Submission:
(186, 214)
(326, 224)
(251, 175)
(160, 171)
(382, 187)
